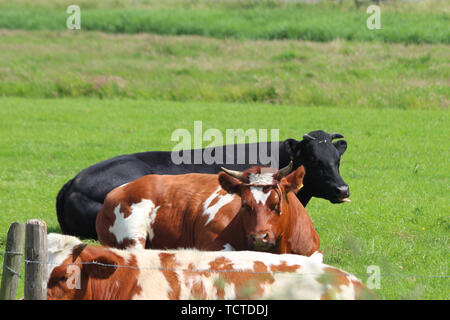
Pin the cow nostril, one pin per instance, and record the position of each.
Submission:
(265, 237)
(343, 191)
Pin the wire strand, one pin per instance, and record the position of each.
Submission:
(230, 271)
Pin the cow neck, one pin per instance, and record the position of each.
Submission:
(304, 196)
(298, 234)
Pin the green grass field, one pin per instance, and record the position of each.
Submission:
(44, 64)
(398, 218)
(257, 20)
(137, 70)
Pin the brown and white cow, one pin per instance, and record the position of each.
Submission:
(252, 210)
(81, 271)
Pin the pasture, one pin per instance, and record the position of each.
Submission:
(398, 217)
(69, 99)
(325, 21)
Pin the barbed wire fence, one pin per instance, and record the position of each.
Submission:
(34, 232)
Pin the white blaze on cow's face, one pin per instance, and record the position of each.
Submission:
(260, 179)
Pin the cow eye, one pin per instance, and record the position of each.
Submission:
(245, 204)
(276, 207)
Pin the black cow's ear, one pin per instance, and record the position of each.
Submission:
(341, 146)
(292, 146)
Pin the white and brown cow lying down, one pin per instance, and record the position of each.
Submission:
(81, 271)
(252, 210)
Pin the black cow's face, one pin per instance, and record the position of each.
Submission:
(321, 159)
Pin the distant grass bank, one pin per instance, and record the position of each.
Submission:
(46, 64)
(266, 20)
(395, 166)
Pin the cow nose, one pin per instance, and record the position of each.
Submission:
(343, 191)
(261, 236)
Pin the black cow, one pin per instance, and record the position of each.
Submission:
(80, 199)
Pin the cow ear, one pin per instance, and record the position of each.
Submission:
(341, 146)
(294, 180)
(228, 183)
(99, 262)
(291, 146)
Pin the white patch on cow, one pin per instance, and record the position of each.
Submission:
(152, 221)
(151, 280)
(223, 200)
(123, 185)
(260, 179)
(229, 291)
(59, 248)
(136, 226)
(346, 292)
(259, 195)
(227, 247)
(304, 284)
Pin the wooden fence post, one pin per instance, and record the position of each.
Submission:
(11, 261)
(35, 260)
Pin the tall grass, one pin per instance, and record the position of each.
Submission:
(257, 21)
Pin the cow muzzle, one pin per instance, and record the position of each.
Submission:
(342, 194)
(261, 241)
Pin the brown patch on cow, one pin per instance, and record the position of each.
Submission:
(247, 283)
(76, 251)
(220, 193)
(259, 266)
(126, 243)
(221, 264)
(192, 270)
(193, 280)
(168, 266)
(284, 267)
(332, 280)
(340, 278)
(362, 292)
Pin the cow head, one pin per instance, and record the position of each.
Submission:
(321, 158)
(264, 205)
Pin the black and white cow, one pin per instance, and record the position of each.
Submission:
(80, 199)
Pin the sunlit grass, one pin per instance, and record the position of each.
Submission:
(401, 22)
(43, 64)
(398, 218)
